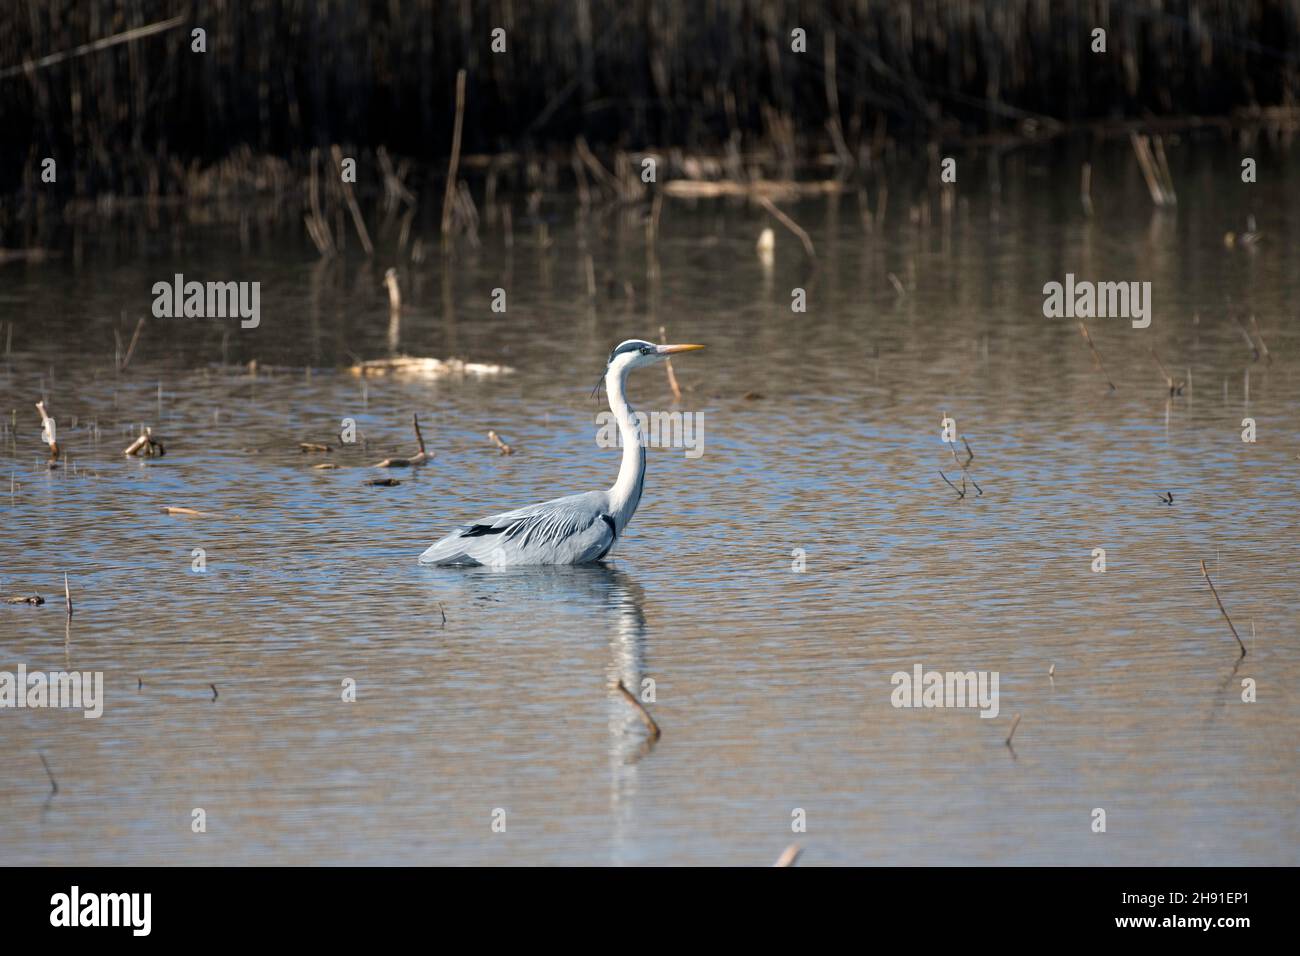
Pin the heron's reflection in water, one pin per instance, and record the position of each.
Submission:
(617, 608)
(628, 740)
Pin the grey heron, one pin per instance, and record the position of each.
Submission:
(577, 529)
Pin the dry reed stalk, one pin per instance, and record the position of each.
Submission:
(394, 290)
(138, 33)
(1215, 592)
(501, 446)
(454, 164)
(317, 226)
(1175, 388)
(419, 459)
(788, 856)
(1259, 337)
(668, 367)
(48, 431)
(842, 152)
(146, 445)
(1014, 724)
(350, 198)
(130, 349)
(655, 732)
(1095, 354)
(789, 223)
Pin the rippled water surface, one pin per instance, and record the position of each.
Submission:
(821, 434)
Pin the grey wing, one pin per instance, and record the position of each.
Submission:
(573, 530)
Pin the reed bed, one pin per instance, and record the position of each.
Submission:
(116, 93)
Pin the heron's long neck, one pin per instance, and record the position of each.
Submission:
(626, 493)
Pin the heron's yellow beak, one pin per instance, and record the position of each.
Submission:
(673, 349)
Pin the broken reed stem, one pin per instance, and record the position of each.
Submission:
(419, 459)
(147, 445)
(54, 784)
(215, 695)
(655, 732)
(171, 510)
(501, 446)
(1087, 337)
(1224, 610)
(67, 594)
(48, 428)
(789, 223)
(419, 438)
(1085, 190)
(348, 196)
(788, 856)
(668, 366)
(130, 349)
(454, 165)
(1014, 724)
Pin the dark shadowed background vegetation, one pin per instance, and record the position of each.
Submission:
(281, 76)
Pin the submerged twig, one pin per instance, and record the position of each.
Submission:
(1014, 724)
(1223, 609)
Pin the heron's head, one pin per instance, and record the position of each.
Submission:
(634, 353)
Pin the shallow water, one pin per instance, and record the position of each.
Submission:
(821, 433)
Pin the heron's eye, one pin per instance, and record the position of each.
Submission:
(646, 350)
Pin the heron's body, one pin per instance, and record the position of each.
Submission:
(577, 529)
